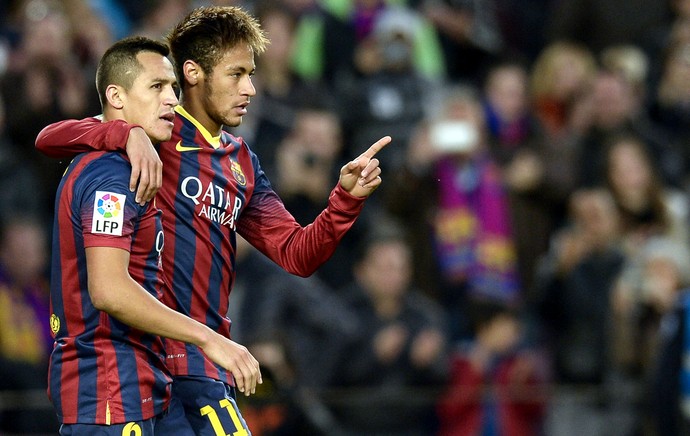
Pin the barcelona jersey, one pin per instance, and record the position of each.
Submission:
(213, 189)
(102, 371)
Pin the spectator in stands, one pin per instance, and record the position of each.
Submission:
(25, 338)
(646, 205)
(511, 126)
(400, 349)
(648, 292)
(617, 107)
(44, 84)
(574, 284)
(498, 383)
(519, 146)
(453, 199)
(388, 91)
(306, 159)
(25, 334)
(559, 76)
(649, 210)
(329, 33)
(630, 61)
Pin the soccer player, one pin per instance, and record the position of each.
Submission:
(107, 372)
(214, 188)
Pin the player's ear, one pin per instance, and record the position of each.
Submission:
(114, 95)
(192, 71)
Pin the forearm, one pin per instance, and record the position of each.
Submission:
(133, 305)
(299, 250)
(137, 308)
(71, 137)
(112, 290)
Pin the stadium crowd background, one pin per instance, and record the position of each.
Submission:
(520, 271)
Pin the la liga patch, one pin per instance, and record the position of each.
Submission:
(108, 213)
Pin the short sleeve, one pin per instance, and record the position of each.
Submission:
(106, 207)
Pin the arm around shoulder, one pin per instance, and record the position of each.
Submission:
(70, 137)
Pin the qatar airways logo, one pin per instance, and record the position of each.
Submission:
(217, 204)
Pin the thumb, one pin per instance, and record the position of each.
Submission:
(350, 167)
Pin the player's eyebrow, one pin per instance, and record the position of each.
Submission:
(239, 69)
(164, 80)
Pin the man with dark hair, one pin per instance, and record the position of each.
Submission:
(107, 371)
(215, 188)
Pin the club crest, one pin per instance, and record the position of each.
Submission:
(237, 173)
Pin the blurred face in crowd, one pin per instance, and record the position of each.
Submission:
(459, 131)
(630, 174)
(320, 132)
(507, 92)
(279, 27)
(569, 75)
(386, 269)
(594, 213)
(24, 252)
(501, 334)
(47, 35)
(614, 100)
(561, 71)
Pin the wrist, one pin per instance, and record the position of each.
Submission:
(202, 335)
(117, 136)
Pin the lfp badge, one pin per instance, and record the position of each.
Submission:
(108, 213)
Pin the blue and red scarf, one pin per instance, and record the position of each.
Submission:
(472, 232)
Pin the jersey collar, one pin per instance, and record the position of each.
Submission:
(214, 141)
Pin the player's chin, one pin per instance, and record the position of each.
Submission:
(232, 121)
(161, 135)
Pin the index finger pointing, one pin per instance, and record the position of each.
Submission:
(376, 147)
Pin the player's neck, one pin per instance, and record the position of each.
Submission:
(196, 109)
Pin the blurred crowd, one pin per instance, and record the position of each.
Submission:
(524, 269)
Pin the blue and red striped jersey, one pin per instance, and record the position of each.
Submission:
(213, 188)
(102, 371)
